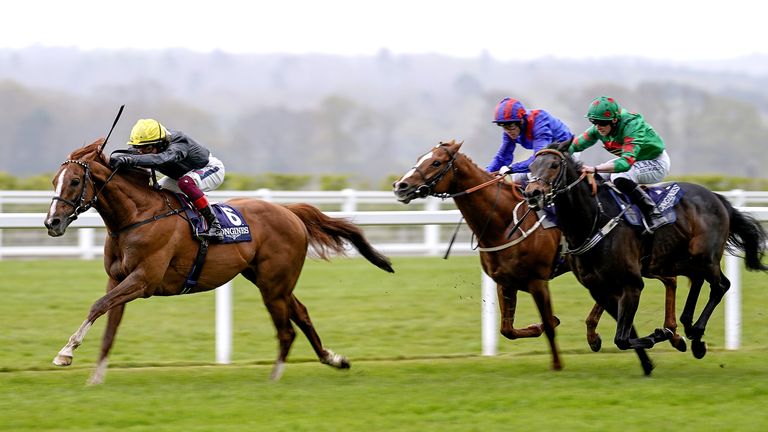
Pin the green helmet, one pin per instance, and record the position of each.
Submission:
(603, 108)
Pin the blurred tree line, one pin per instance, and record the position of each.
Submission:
(326, 122)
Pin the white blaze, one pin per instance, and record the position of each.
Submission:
(59, 186)
(419, 162)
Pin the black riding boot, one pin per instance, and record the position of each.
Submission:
(214, 226)
(653, 217)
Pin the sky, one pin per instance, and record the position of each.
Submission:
(681, 30)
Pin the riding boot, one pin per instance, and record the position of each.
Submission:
(653, 217)
(214, 231)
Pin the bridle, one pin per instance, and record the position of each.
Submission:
(427, 189)
(556, 186)
(80, 205)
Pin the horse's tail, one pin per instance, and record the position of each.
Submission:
(745, 235)
(328, 234)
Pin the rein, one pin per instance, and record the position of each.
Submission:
(426, 189)
(593, 240)
(81, 206)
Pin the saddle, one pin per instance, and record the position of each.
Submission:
(233, 224)
(666, 196)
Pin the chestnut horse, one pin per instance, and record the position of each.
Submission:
(525, 261)
(610, 258)
(150, 250)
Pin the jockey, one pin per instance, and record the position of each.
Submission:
(641, 157)
(534, 129)
(189, 168)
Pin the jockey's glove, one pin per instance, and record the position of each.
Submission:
(504, 170)
(116, 161)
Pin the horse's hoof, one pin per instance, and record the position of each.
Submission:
(647, 368)
(277, 371)
(596, 344)
(698, 348)
(679, 343)
(62, 360)
(336, 360)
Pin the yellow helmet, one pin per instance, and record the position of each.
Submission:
(147, 132)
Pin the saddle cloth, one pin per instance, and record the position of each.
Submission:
(233, 223)
(666, 196)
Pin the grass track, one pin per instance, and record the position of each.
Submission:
(413, 339)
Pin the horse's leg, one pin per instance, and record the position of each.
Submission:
(127, 290)
(627, 308)
(593, 337)
(670, 292)
(686, 318)
(279, 310)
(276, 287)
(539, 289)
(114, 316)
(300, 316)
(610, 305)
(717, 289)
(645, 360)
(507, 306)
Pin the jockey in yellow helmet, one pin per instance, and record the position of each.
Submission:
(189, 168)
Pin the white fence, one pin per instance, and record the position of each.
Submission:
(349, 201)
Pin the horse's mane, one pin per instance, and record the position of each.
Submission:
(514, 189)
(90, 149)
(93, 152)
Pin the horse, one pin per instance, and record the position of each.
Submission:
(610, 257)
(524, 261)
(150, 250)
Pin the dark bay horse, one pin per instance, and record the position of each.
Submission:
(150, 250)
(526, 261)
(612, 268)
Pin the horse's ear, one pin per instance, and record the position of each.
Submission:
(563, 146)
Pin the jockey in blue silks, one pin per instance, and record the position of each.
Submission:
(534, 130)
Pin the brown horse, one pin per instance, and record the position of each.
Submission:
(150, 250)
(525, 261)
(610, 258)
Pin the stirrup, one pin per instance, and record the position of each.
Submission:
(653, 223)
(214, 232)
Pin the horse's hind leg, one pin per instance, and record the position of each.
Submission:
(276, 294)
(114, 316)
(300, 316)
(279, 310)
(670, 323)
(717, 289)
(593, 337)
(686, 318)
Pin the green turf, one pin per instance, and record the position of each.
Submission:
(413, 339)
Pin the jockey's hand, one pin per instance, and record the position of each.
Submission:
(504, 170)
(117, 161)
(586, 169)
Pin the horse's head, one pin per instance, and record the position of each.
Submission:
(552, 170)
(75, 188)
(430, 175)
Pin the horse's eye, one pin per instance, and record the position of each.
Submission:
(436, 163)
(74, 182)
